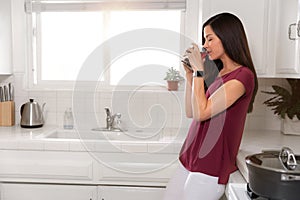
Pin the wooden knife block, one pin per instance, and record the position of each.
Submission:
(7, 113)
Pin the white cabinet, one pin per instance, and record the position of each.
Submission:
(5, 38)
(288, 39)
(254, 15)
(130, 193)
(46, 166)
(28, 191)
(154, 169)
(32, 175)
(77, 175)
(14, 191)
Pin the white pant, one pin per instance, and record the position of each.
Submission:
(186, 185)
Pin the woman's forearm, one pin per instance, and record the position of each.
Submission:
(188, 95)
(199, 99)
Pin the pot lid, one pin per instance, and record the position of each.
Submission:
(281, 161)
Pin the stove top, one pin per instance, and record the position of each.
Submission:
(238, 191)
(260, 198)
(252, 195)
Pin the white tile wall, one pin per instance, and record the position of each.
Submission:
(138, 108)
(262, 117)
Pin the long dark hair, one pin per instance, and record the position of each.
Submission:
(230, 31)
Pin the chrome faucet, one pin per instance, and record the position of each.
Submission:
(112, 120)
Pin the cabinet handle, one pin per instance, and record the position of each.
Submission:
(290, 31)
(298, 28)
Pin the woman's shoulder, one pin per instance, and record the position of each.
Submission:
(242, 73)
(245, 70)
(246, 77)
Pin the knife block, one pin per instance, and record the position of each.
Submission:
(7, 113)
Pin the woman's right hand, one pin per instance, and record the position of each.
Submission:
(188, 71)
(187, 68)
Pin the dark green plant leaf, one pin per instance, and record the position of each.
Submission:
(274, 103)
(295, 87)
(290, 113)
(282, 110)
(293, 82)
(284, 102)
(297, 109)
(285, 94)
(267, 92)
(270, 100)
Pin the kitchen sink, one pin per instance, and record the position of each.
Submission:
(103, 134)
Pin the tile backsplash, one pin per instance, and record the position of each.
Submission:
(139, 108)
(142, 109)
(262, 117)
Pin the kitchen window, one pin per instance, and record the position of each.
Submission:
(63, 34)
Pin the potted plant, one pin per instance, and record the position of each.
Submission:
(173, 78)
(286, 104)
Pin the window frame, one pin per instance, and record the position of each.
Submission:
(34, 63)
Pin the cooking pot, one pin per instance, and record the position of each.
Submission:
(32, 114)
(274, 174)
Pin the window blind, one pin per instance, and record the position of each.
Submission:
(101, 5)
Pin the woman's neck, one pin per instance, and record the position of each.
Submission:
(228, 66)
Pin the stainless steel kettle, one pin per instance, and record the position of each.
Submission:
(32, 114)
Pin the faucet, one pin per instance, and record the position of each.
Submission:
(110, 119)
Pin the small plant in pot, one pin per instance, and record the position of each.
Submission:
(173, 78)
(286, 104)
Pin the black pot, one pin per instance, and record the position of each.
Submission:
(275, 174)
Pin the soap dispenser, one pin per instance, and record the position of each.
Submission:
(68, 119)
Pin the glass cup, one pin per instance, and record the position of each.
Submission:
(185, 59)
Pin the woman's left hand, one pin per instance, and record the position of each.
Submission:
(195, 57)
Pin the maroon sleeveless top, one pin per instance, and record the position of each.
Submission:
(211, 146)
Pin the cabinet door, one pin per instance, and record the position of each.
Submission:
(254, 15)
(130, 193)
(48, 166)
(47, 192)
(5, 37)
(288, 54)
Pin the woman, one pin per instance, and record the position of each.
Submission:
(218, 110)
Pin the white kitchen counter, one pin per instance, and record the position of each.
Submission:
(17, 138)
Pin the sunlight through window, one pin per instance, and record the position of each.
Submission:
(66, 39)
